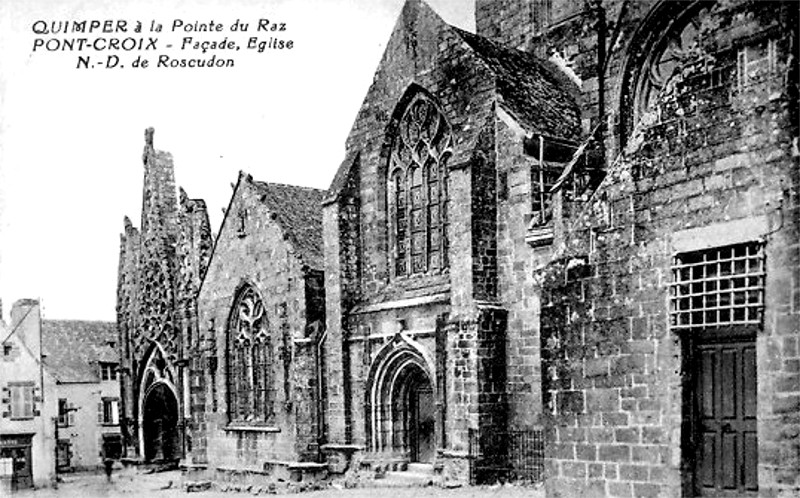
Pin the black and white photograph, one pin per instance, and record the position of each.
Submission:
(408, 248)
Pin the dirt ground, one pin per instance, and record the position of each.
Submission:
(168, 485)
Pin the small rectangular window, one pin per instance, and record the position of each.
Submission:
(110, 411)
(108, 371)
(542, 180)
(718, 287)
(63, 413)
(756, 62)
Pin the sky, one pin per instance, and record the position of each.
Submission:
(71, 138)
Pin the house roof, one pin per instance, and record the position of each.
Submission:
(298, 211)
(73, 348)
(532, 91)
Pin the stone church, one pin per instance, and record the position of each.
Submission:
(564, 248)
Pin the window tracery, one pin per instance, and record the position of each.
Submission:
(673, 45)
(249, 356)
(418, 189)
(679, 45)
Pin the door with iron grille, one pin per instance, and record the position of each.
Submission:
(717, 305)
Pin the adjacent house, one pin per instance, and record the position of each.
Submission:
(82, 363)
(26, 412)
(59, 409)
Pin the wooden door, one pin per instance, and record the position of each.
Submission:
(422, 425)
(726, 460)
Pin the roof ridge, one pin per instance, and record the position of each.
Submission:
(45, 320)
(280, 184)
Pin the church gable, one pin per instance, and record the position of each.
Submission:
(265, 221)
(434, 73)
(467, 74)
(257, 302)
(424, 52)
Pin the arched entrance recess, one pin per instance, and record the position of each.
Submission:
(160, 424)
(159, 436)
(401, 404)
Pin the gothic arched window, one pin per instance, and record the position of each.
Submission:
(249, 360)
(417, 193)
(668, 56)
(669, 42)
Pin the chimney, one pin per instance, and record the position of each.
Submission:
(26, 322)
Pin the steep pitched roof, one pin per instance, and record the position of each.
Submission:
(298, 211)
(72, 348)
(532, 92)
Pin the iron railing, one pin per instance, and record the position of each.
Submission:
(506, 456)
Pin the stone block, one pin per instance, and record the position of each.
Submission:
(614, 453)
(646, 490)
(602, 400)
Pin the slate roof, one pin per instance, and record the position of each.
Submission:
(298, 211)
(530, 89)
(73, 348)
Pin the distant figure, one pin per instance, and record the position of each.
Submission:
(109, 465)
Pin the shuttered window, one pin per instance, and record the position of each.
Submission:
(21, 401)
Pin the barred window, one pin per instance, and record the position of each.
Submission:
(249, 360)
(543, 177)
(417, 189)
(718, 287)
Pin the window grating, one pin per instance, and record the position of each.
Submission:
(718, 287)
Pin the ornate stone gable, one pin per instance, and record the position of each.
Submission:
(160, 269)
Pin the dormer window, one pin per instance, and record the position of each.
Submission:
(108, 371)
(417, 189)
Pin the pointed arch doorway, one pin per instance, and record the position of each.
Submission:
(160, 424)
(414, 402)
(159, 410)
(402, 406)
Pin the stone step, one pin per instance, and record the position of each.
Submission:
(415, 475)
(404, 480)
(420, 468)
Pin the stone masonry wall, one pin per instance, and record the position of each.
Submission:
(422, 55)
(126, 326)
(720, 156)
(255, 251)
(517, 289)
